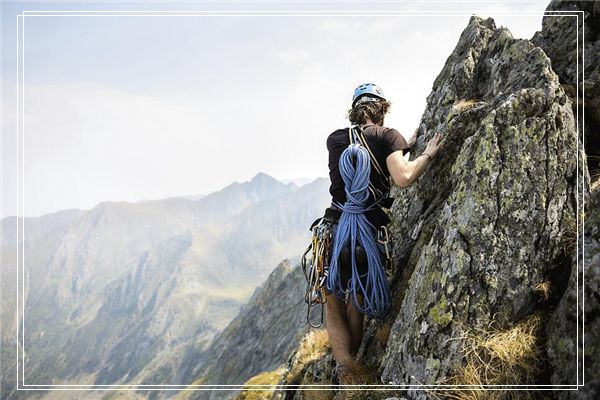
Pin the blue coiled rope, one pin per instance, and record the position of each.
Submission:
(353, 226)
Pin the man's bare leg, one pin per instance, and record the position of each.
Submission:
(355, 322)
(338, 329)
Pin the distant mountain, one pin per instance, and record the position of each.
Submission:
(122, 292)
(36, 227)
(194, 197)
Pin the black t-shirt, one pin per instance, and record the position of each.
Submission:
(382, 141)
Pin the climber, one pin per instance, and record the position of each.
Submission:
(347, 281)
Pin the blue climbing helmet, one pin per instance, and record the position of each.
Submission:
(367, 92)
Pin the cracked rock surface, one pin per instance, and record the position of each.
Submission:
(564, 338)
(486, 223)
(558, 38)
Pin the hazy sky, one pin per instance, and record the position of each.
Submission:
(145, 107)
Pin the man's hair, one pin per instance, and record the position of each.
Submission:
(375, 110)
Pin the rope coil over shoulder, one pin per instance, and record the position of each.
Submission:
(355, 229)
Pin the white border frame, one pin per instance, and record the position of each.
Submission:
(283, 13)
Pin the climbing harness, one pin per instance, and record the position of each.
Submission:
(355, 229)
(315, 263)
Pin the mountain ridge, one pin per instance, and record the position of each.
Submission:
(261, 178)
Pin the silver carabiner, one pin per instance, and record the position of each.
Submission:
(383, 237)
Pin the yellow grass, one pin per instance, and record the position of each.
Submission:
(264, 378)
(544, 289)
(569, 234)
(356, 373)
(313, 347)
(316, 393)
(508, 357)
(464, 105)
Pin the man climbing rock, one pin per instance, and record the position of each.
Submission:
(362, 159)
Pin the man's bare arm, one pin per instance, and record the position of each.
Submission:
(403, 172)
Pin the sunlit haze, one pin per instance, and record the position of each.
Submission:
(125, 108)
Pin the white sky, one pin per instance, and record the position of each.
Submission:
(130, 108)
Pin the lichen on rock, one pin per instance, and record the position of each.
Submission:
(571, 29)
(490, 209)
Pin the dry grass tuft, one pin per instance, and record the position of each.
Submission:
(264, 378)
(464, 105)
(366, 393)
(356, 373)
(509, 357)
(312, 347)
(568, 240)
(544, 289)
(318, 394)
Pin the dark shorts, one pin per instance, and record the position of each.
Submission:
(362, 265)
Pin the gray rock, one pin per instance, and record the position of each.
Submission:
(558, 38)
(565, 340)
(485, 224)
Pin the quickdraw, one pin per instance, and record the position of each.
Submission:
(383, 237)
(315, 264)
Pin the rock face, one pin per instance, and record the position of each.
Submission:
(484, 240)
(565, 330)
(487, 223)
(564, 339)
(558, 39)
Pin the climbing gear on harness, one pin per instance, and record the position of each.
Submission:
(353, 227)
(315, 263)
(316, 268)
(383, 237)
(367, 92)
